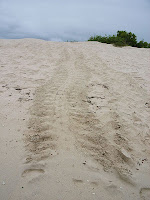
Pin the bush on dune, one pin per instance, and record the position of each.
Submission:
(143, 44)
(122, 38)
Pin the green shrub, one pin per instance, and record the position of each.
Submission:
(120, 42)
(122, 38)
(130, 38)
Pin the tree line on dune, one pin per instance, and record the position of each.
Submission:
(122, 38)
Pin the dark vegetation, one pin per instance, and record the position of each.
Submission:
(122, 38)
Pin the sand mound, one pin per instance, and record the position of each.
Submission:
(74, 121)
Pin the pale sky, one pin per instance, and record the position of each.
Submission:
(63, 20)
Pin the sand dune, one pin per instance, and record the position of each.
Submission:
(74, 121)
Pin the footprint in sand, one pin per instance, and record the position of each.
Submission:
(32, 171)
(77, 181)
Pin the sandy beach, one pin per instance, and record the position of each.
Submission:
(74, 121)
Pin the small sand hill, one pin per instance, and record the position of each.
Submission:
(74, 121)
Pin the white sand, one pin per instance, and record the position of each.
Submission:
(74, 121)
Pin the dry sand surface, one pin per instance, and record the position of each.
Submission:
(74, 121)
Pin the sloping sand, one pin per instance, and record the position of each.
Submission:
(74, 121)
